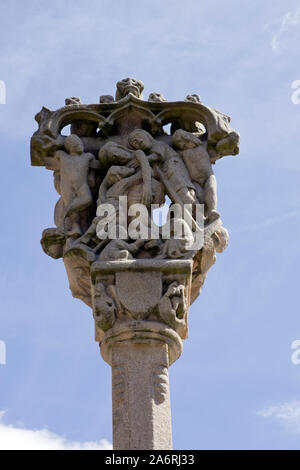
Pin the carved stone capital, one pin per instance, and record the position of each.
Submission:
(141, 301)
(141, 332)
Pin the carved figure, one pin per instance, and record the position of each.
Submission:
(177, 179)
(104, 309)
(73, 167)
(198, 163)
(193, 98)
(156, 98)
(129, 85)
(73, 100)
(172, 306)
(106, 99)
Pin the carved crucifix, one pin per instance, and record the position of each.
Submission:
(115, 168)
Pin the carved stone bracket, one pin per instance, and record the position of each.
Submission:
(141, 301)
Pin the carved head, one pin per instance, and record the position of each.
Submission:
(106, 99)
(220, 238)
(129, 85)
(184, 140)
(156, 98)
(73, 144)
(104, 307)
(72, 100)
(193, 98)
(140, 139)
(229, 145)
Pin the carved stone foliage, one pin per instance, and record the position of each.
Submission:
(119, 385)
(119, 149)
(160, 382)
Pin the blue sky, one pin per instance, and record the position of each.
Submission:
(235, 386)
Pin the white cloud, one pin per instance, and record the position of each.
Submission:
(19, 438)
(288, 20)
(287, 414)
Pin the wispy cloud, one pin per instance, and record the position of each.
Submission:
(267, 222)
(287, 414)
(43, 60)
(289, 20)
(19, 438)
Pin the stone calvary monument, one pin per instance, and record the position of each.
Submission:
(118, 165)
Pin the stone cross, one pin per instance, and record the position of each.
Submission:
(115, 168)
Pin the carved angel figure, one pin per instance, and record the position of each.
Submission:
(71, 176)
(198, 163)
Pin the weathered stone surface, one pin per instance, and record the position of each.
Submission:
(138, 278)
(149, 290)
(140, 396)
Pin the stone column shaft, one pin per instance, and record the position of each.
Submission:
(141, 398)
